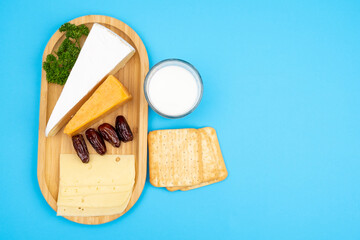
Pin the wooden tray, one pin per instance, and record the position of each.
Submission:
(135, 111)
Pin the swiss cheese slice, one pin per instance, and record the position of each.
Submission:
(110, 94)
(95, 200)
(90, 211)
(100, 171)
(75, 191)
(103, 53)
(101, 187)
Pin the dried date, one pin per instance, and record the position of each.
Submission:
(81, 148)
(96, 141)
(123, 129)
(109, 134)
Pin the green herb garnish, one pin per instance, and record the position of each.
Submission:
(58, 68)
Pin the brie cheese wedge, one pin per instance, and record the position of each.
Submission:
(103, 53)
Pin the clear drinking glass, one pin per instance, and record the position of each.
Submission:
(179, 63)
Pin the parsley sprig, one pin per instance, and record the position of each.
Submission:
(58, 65)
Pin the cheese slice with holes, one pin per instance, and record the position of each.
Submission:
(75, 191)
(91, 211)
(101, 187)
(103, 53)
(95, 200)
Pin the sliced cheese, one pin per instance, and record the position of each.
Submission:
(91, 211)
(110, 94)
(87, 212)
(75, 191)
(100, 171)
(95, 200)
(102, 187)
(103, 53)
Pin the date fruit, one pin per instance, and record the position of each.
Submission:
(96, 141)
(123, 129)
(80, 148)
(109, 134)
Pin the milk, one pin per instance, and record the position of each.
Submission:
(174, 90)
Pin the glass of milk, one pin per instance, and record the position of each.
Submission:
(173, 88)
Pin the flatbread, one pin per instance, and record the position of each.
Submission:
(219, 161)
(175, 158)
(209, 160)
(223, 173)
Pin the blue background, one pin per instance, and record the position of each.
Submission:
(282, 89)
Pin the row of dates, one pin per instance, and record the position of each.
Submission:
(121, 133)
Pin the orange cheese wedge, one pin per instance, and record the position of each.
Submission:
(110, 94)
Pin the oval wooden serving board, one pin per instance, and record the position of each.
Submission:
(135, 111)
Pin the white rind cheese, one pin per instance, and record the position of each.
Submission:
(103, 53)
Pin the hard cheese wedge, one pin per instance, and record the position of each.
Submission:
(101, 187)
(109, 95)
(103, 53)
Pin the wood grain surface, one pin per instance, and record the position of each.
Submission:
(135, 111)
